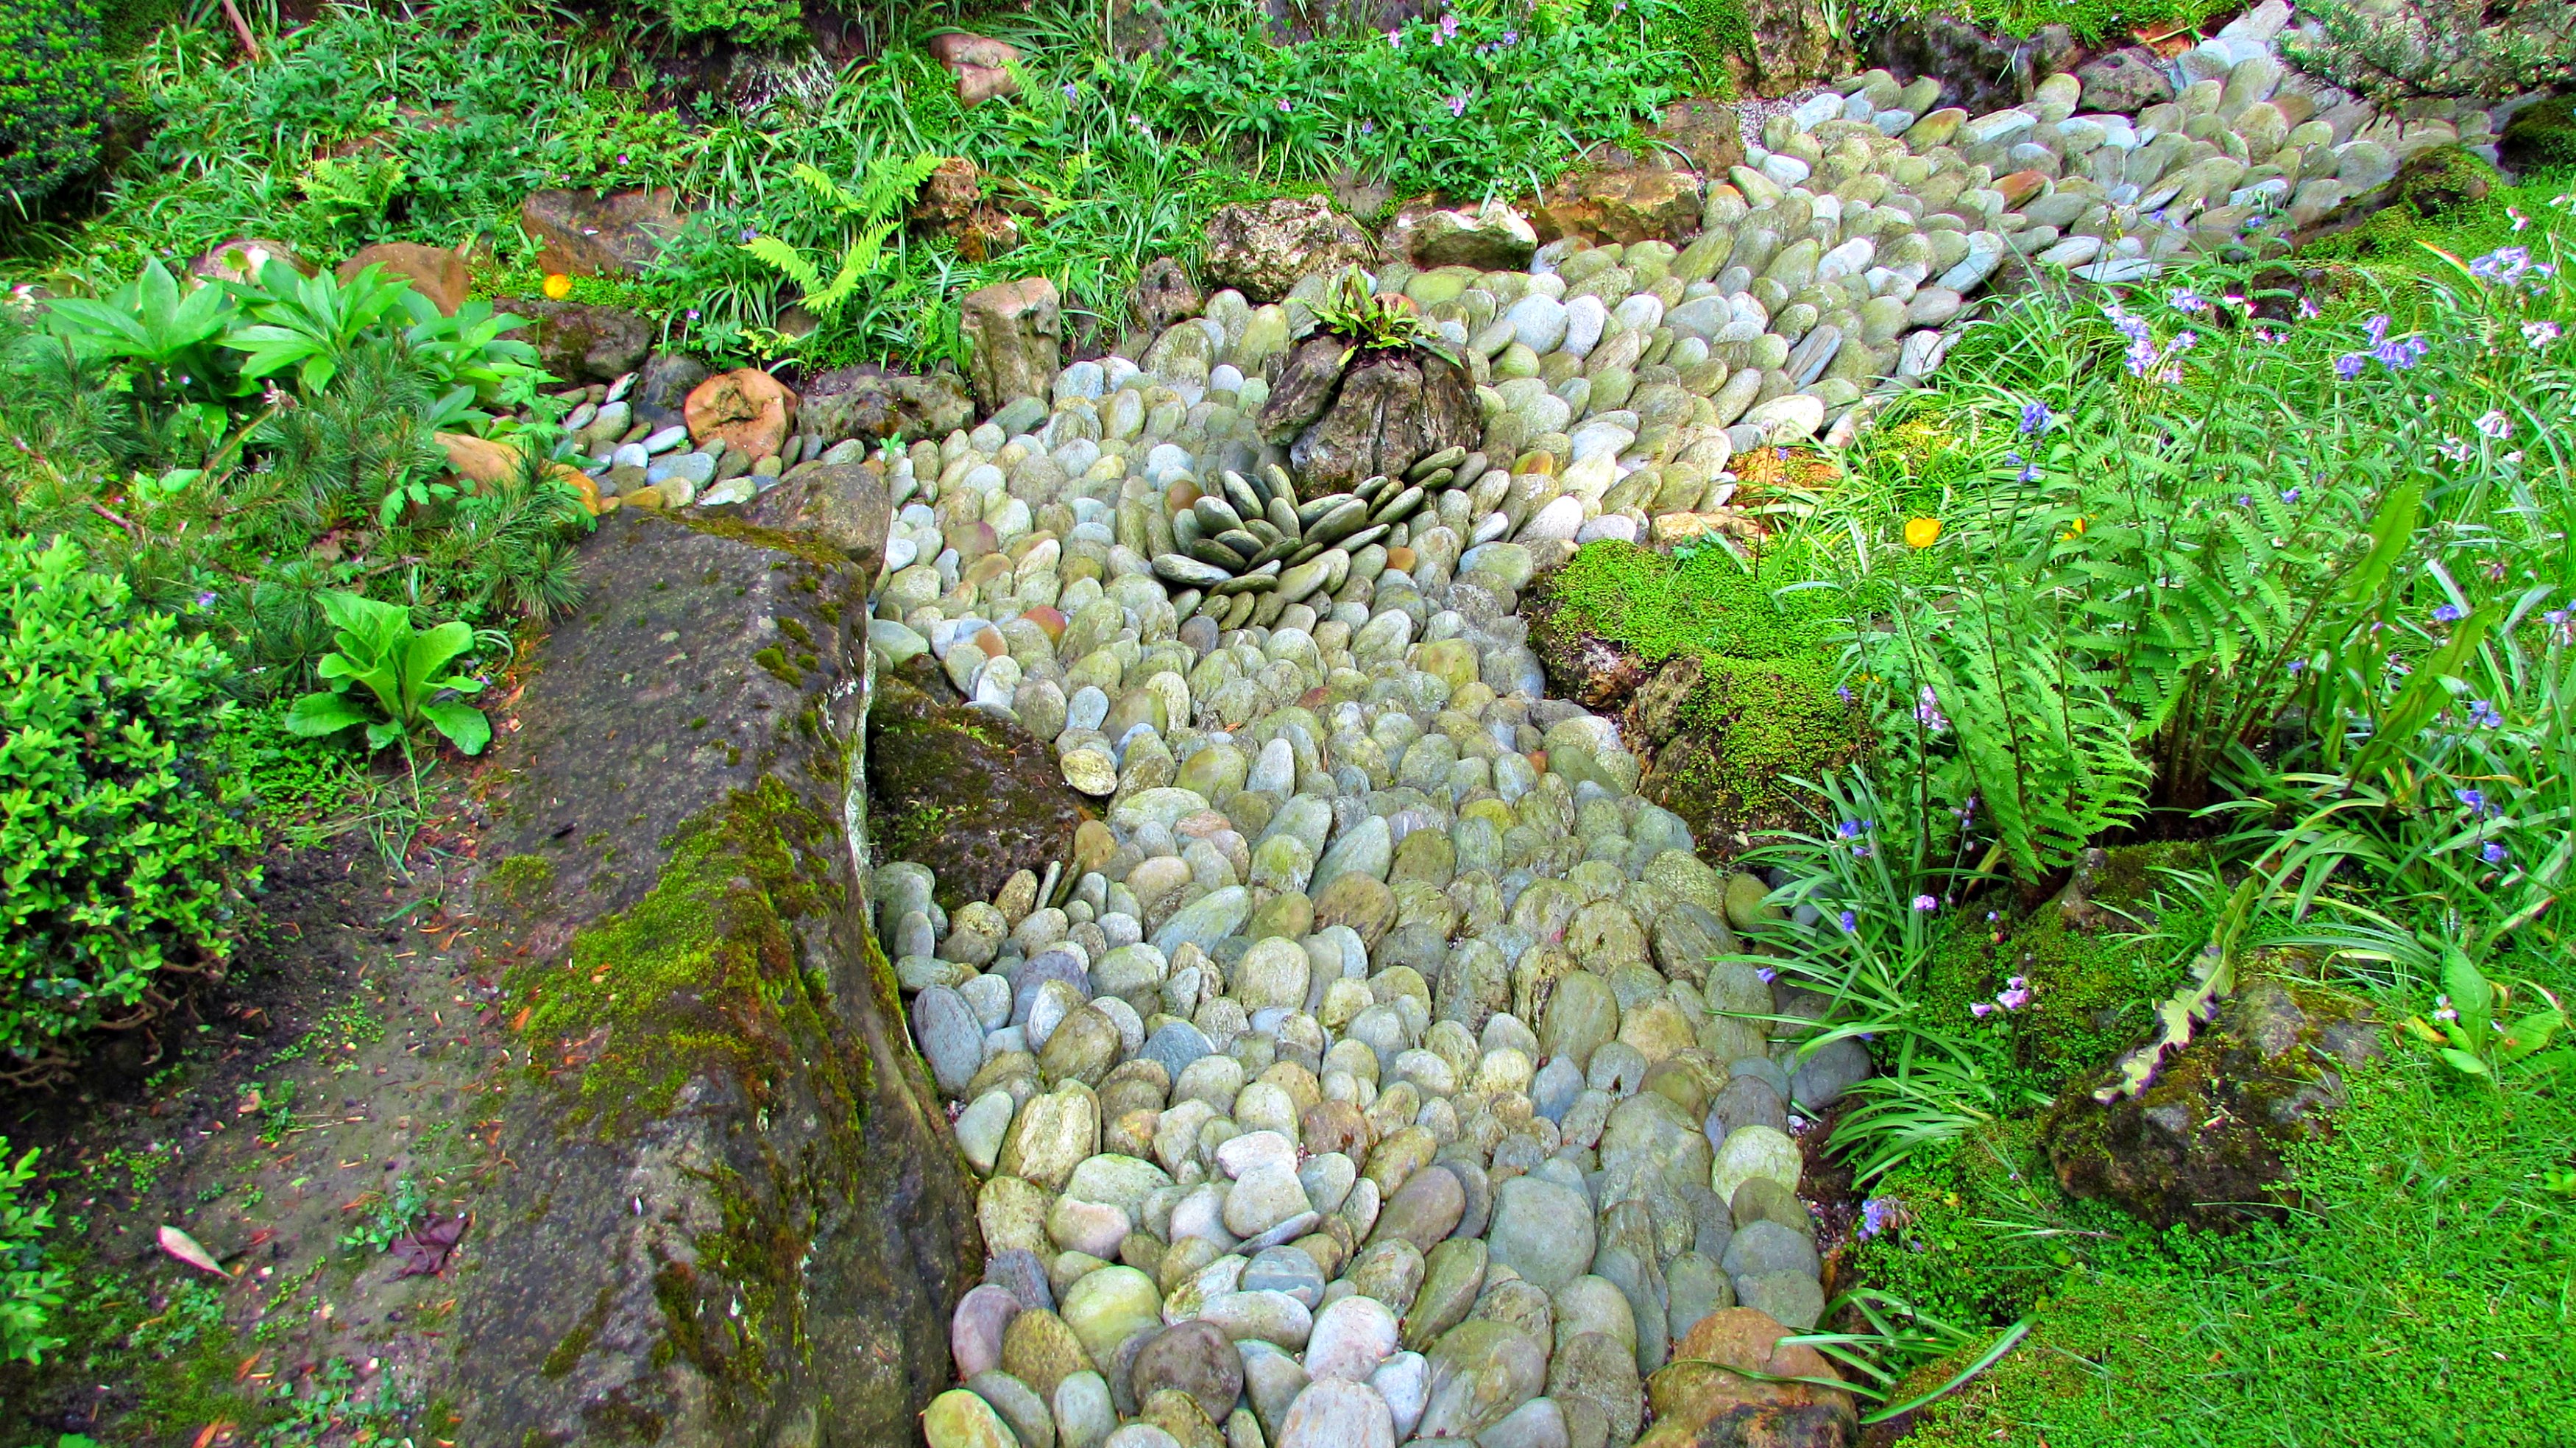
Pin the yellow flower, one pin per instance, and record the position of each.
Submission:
(1922, 532)
(2073, 531)
(558, 286)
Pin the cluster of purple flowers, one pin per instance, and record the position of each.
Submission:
(2537, 335)
(1852, 830)
(2477, 802)
(2562, 624)
(2015, 995)
(2397, 354)
(1927, 711)
(2483, 715)
(2029, 470)
(1927, 903)
(1510, 38)
(2035, 418)
(2506, 264)
(2143, 356)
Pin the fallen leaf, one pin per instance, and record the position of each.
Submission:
(211, 1433)
(424, 1251)
(184, 1247)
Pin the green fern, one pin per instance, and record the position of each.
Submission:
(868, 217)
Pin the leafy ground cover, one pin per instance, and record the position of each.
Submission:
(431, 122)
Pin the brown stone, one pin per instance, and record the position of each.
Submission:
(1704, 1400)
(584, 342)
(1016, 330)
(1262, 248)
(973, 797)
(1635, 203)
(1706, 131)
(433, 271)
(2020, 186)
(871, 402)
(1164, 295)
(745, 408)
(952, 204)
(593, 233)
(980, 63)
(240, 259)
(486, 462)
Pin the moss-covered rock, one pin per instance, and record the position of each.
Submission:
(732, 1212)
(2540, 135)
(1724, 693)
(974, 796)
(2203, 1143)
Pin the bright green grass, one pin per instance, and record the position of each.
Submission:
(2424, 1298)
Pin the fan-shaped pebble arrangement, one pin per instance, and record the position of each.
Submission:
(1373, 1070)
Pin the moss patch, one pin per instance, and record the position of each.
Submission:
(1743, 697)
(701, 974)
(2095, 974)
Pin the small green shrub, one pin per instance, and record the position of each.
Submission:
(31, 1286)
(117, 856)
(56, 88)
(752, 22)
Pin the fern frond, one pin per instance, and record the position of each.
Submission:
(786, 259)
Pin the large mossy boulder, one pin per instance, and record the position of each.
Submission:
(2204, 1144)
(731, 1211)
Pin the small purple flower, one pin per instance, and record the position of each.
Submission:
(2561, 622)
(2034, 418)
(2448, 613)
(2495, 853)
(2442, 1009)
(1458, 105)
(2495, 424)
(1511, 37)
(2307, 309)
(2290, 496)
(1927, 711)
(2476, 800)
(1876, 1215)
(2484, 715)
(1843, 692)
(2377, 327)
(1851, 829)
(1850, 922)
(1768, 974)
(1283, 105)
(1072, 92)
(2187, 300)
(1926, 903)
(2349, 365)
(1981, 1009)
(1449, 23)
(2537, 335)
(1368, 128)
(205, 600)
(2297, 667)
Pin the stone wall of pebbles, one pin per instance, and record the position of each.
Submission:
(1375, 1070)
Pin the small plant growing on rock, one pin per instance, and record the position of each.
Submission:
(1373, 322)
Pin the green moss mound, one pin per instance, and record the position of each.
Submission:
(1744, 669)
(2541, 136)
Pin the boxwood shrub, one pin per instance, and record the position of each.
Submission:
(118, 849)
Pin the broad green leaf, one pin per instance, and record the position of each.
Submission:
(2464, 1062)
(2470, 994)
(318, 714)
(462, 723)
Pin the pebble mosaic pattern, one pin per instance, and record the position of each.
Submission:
(1372, 1072)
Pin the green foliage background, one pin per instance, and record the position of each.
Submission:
(57, 86)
